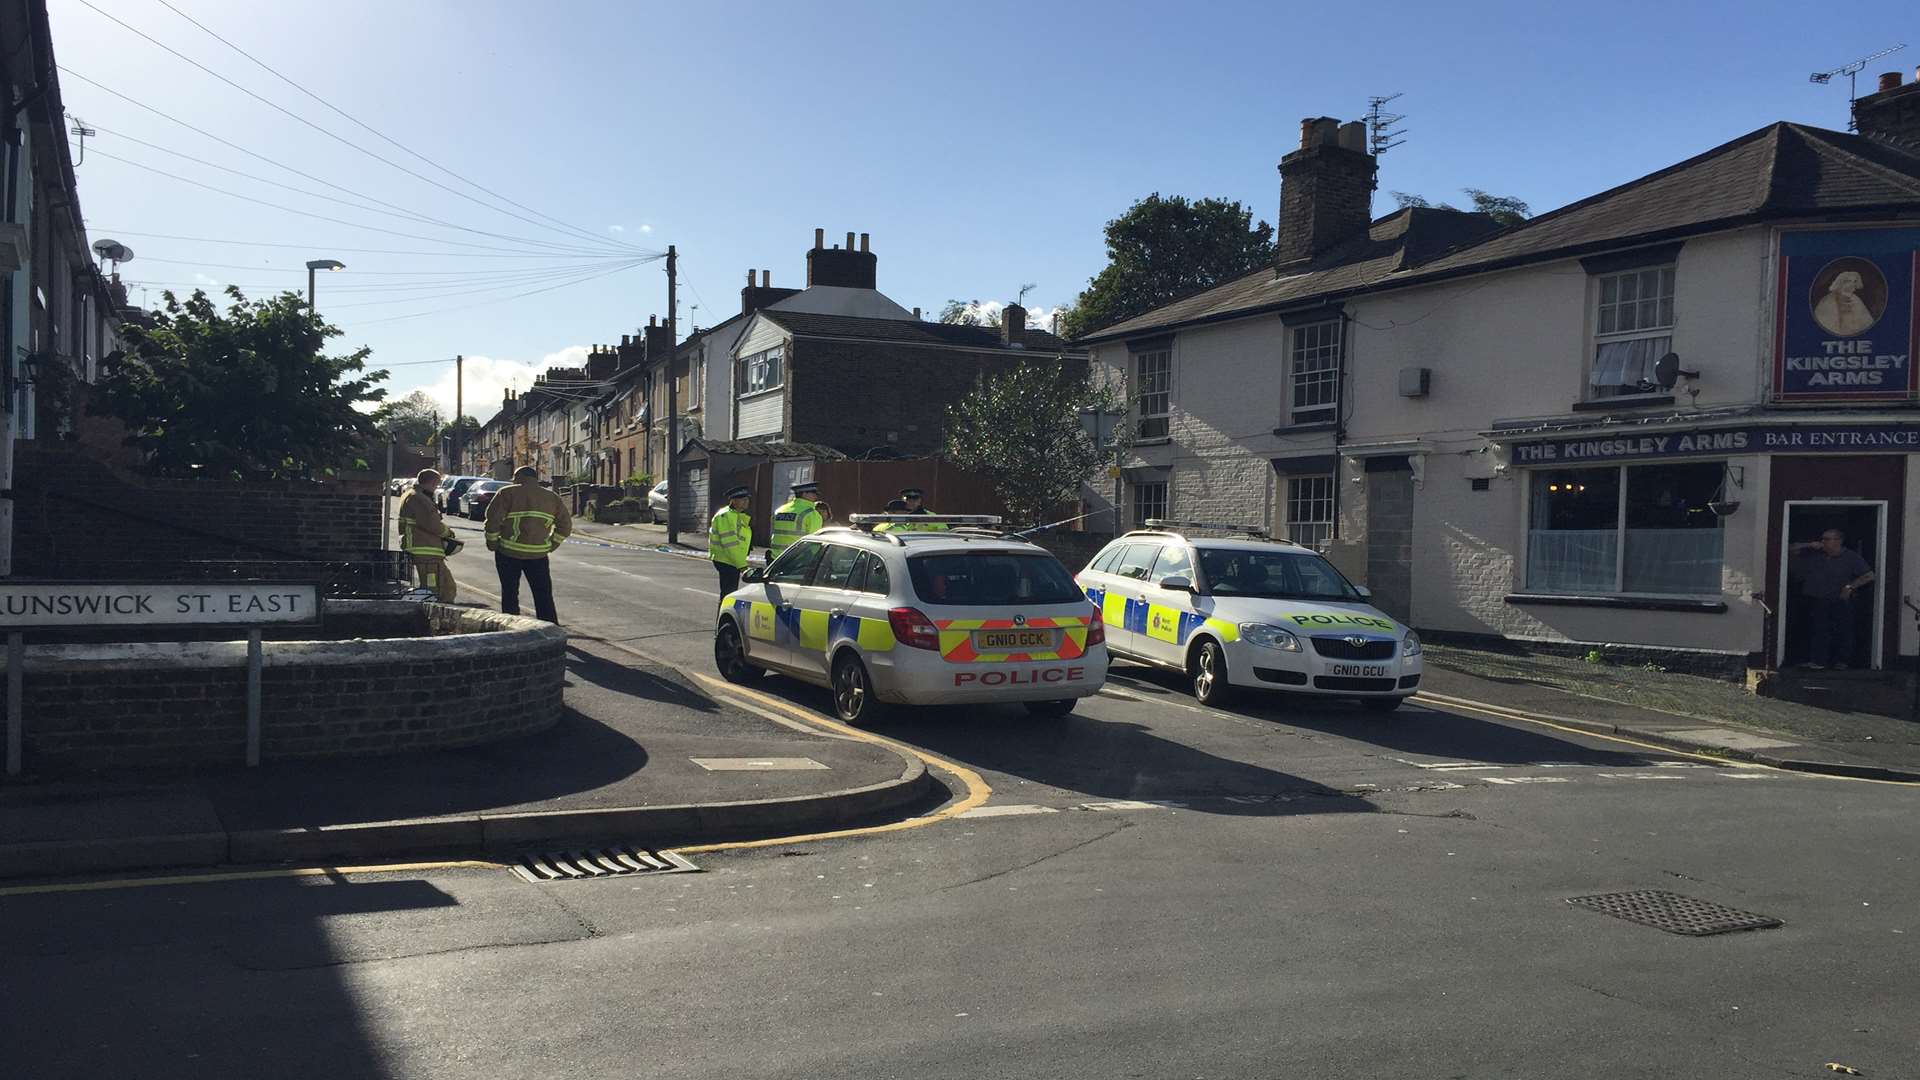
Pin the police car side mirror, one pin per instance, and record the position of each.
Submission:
(751, 575)
(1179, 583)
(1365, 593)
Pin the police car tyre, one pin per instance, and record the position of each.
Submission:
(1381, 704)
(1052, 709)
(1208, 670)
(853, 699)
(730, 657)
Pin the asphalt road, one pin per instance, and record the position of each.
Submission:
(1153, 890)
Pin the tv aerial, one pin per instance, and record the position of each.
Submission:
(113, 251)
(1852, 72)
(1382, 136)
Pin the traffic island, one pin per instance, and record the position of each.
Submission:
(392, 676)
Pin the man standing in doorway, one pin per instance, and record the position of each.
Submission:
(729, 535)
(1830, 573)
(525, 522)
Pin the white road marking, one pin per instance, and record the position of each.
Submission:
(1639, 776)
(1118, 804)
(1526, 780)
(755, 764)
(1747, 775)
(1010, 810)
(691, 589)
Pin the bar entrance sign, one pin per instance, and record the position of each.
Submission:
(48, 605)
(94, 604)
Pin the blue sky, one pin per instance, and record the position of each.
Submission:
(982, 147)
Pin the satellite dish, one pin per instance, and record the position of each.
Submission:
(1667, 371)
(113, 251)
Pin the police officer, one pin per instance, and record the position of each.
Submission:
(525, 522)
(729, 535)
(894, 506)
(424, 535)
(913, 498)
(798, 516)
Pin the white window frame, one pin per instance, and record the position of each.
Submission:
(1610, 315)
(1622, 473)
(763, 371)
(1152, 407)
(1141, 515)
(1319, 342)
(1320, 529)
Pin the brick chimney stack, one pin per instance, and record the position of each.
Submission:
(1892, 112)
(846, 268)
(1013, 325)
(754, 297)
(1326, 190)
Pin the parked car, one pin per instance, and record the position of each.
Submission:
(1248, 614)
(440, 493)
(657, 499)
(916, 618)
(459, 491)
(479, 495)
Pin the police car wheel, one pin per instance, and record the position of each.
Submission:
(853, 699)
(1381, 704)
(1052, 710)
(731, 657)
(1208, 669)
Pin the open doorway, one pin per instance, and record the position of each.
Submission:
(1863, 524)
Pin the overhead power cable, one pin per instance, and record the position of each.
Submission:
(501, 300)
(468, 288)
(350, 250)
(323, 217)
(269, 69)
(407, 215)
(350, 144)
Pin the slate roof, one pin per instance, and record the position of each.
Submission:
(1781, 171)
(750, 448)
(909, 332)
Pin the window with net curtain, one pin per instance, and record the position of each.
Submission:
(1633, 328)
(1635, 529)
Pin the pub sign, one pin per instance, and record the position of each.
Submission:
(1847, 315)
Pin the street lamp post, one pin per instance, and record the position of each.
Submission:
(319, 264)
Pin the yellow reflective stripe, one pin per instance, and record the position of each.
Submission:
(525, 549)
(760, 623)
(962, 624)
(432, 552)
(813, 629)
(876, 635)
(1227, 631)
(953, 639)
(1113, 608)
(1163, 623)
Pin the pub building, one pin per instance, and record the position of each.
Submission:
(1629, 411)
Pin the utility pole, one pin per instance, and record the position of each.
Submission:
(673, 397)
(459, 390)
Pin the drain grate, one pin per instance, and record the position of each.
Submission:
(598, 862)
(1674, 913)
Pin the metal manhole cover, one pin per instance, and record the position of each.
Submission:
(598, 862)
(1674, 913)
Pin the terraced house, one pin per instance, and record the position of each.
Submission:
(1608, 425)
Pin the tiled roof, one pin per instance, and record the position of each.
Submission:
(908, 331)
(749, 448)
(1395, 242)
(1780, 171)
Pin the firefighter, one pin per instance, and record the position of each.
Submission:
(729, 536)
(525, 522)
(424, 535)
(802, 514)
(913, 498)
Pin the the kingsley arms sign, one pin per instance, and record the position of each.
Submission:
(1847, 315)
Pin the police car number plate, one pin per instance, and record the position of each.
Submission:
(1013, 640)
(1374, 671)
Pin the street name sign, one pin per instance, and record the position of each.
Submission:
(90, 604)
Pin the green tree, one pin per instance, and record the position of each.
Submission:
(1163, 248)
(1504, 209)
(1021, 430)
(969, 313)
(461, 431)
(244, 392)
(414, 419)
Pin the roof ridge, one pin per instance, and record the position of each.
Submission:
(1847, 155)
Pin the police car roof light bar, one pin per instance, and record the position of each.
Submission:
(1168, 523)
(924, 519)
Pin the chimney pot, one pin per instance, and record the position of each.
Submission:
(749, 279)
(766, 279)
(1013, 324)
(1889, 80)
(819, 239)
(626, 339)
(652, 321)
(863, 241)
(916, 313)
(849, 241)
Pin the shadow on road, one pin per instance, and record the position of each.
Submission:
(635, 681)
(1426, 730)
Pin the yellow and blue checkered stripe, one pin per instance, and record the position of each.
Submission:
(1160, 622)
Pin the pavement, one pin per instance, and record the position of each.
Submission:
(1683, 712)
(624, 763)
(690, 541)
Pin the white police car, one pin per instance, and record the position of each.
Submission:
(1248, 613)
(920, 618)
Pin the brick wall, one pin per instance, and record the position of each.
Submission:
(76, 517)
(851, 396)
(488, 677)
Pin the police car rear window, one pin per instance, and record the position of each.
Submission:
(990, 578)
